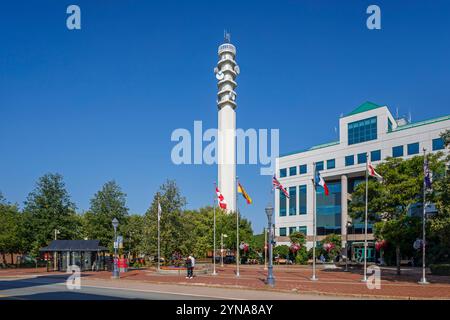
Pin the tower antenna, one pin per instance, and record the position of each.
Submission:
(226, 36)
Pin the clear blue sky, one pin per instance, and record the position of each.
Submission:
(101, 103)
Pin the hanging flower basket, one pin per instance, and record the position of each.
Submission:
(294, 247)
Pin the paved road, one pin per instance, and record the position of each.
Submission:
(54, 288)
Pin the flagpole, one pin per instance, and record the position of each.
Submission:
(424, 279)
(365, 219)
(314, 278)
(214, 246)
(159, 246)
(237, 233)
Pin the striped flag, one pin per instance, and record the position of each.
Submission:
(221, 199)
(241, 190)
(318, 180)
(277, 185)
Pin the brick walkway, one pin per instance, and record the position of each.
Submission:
(290, 278)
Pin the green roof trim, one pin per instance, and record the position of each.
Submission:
(366, 106)
(319, 146)
(420, 123)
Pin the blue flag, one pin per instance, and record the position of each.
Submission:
(427, 174)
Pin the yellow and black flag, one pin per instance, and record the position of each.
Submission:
(241, 190)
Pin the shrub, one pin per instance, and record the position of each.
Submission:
(302, 256)
(440, 269)
(282, 250)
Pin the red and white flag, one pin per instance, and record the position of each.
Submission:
(221, 199)
(372, 172)
(277, 185)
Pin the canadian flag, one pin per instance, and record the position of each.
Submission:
(372, 172)
(221, 199)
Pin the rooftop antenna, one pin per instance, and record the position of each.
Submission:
(396, 115)
(409, 116)
(226, 36)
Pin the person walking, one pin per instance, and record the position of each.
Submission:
(191, 269)
(188, 267)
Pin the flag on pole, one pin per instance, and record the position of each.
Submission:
(221, 199)
(318, 180)
(277, 185)
(241, 190)
(428, 176)
(159, 211)
(372, 172)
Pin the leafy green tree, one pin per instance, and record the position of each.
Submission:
(133, 234)
(12, 230)
(335, 240)
(107, 204)
(390, 201)
(48, 207)
(281, 250)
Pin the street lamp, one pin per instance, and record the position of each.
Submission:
(269, 213)
(349, 224)
(221, 245)
(115, 224)
(55, 255)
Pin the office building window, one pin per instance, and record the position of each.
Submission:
(303, 169)
(349, 160)
(303, 229)
(363, 130)
(292, 201)
(375, 155)
(282, 204)
(319, 165)
(329, 209)
(292, 230)
(331, 164)
(292, 171)
(282, 232)
(283, 173)
(302, 199)
(438, 144)
(389, 125)
(413, 148)
(362, 158)
(397, 151)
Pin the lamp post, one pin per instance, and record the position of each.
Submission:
(55, 255)
(115, 224)
(349, 224)
(221, 245)
(269, 213)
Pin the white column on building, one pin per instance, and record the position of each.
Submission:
(344, 209)
(226, 72)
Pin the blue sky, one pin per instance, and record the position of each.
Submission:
(101, 103)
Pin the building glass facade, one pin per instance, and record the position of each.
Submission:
(282, 204)
(413, 148)
(329, 209)
(375, 155)
(303, 229)
(349, 160)
(292, 171)
(363, 130)
(303, 169)
(283, 173)
(397, 151)
(362, 158)
(331, 164)
(302, 199)
(319, 165)
(282, 232)
(292, 201)
(438, 144)
(292, 230)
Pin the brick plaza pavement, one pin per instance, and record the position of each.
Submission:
(288, 279)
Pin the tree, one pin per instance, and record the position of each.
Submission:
(11, 229)
(107, 204)
(446, 137)
(389, 202)
(133, 234)
(48, 207)
(331, 246)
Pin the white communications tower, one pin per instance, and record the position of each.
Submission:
(226, 72)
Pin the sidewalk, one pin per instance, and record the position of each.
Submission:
(288, 279)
